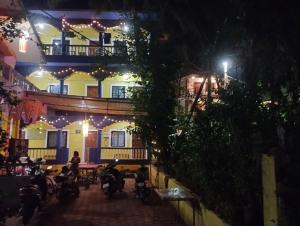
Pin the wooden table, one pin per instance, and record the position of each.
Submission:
(89, 170)
(177, 194)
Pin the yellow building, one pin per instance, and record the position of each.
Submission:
(85, 86)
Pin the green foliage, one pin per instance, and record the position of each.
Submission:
(7, 96)
(217, 156)
(157, 65)
(9, 29)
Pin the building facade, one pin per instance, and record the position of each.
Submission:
(85, 85)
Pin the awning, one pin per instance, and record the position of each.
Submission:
(70, 103)
(29, 110)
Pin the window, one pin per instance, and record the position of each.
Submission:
(107, 38)
(118, 91)
(56, 88)
(118, 138)
(56, 43)
(57, 47)
(52, 139)
(196, 87)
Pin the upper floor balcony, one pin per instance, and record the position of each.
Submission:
(13, 80)
(84, 53)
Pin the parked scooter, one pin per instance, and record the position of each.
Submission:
(111, 180)
(31, 197)
(66, 184)
(39, 176)
(9, 207)
(142, 191)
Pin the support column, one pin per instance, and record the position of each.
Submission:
(61, 86)
(99, 88)
(98, 154)
(101, 37)
(59, 154)
(270, 202)
(63, 42)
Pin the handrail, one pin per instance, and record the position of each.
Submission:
(122, 148)
(84, 50)
(123, 153)
(45, 153)
(13, 77)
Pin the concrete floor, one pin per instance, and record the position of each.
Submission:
(93, 208)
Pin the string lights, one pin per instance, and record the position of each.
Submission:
(94, 23)
(70, 69)
(98, 123)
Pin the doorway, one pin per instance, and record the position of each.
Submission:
(90, 142)
(92, 91)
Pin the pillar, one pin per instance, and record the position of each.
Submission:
(101, 38)
(270, 203)
(100, 89)
(63, 42)
(61, 86)
(98, 154)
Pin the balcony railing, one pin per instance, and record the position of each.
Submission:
(14, 78)
(84, 50)
(124, 153)
(45, 153)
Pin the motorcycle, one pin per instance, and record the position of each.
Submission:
(142, 191)
(31, 197)
(66, 184)
(8, 207)
(39, 176)
(111, 180)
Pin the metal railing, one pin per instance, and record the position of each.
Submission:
(84, 50)
(14, 78)
(123, 153)
(45, 153)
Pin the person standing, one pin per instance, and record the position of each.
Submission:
(75, 170)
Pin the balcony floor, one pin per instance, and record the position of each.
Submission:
(106, 106)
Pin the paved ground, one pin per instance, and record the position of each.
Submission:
(93, 208)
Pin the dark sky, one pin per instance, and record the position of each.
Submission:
(81, 4)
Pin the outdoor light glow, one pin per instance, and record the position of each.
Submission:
(80, 122)
(125, 28)
(85, 128)
(225, 65)
(23, 42)
(40, 73)
(126, 76)
(41, 25)
(193, 77)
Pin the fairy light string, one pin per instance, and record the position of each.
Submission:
(93, 23)
(98, 73)
(97, 123)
